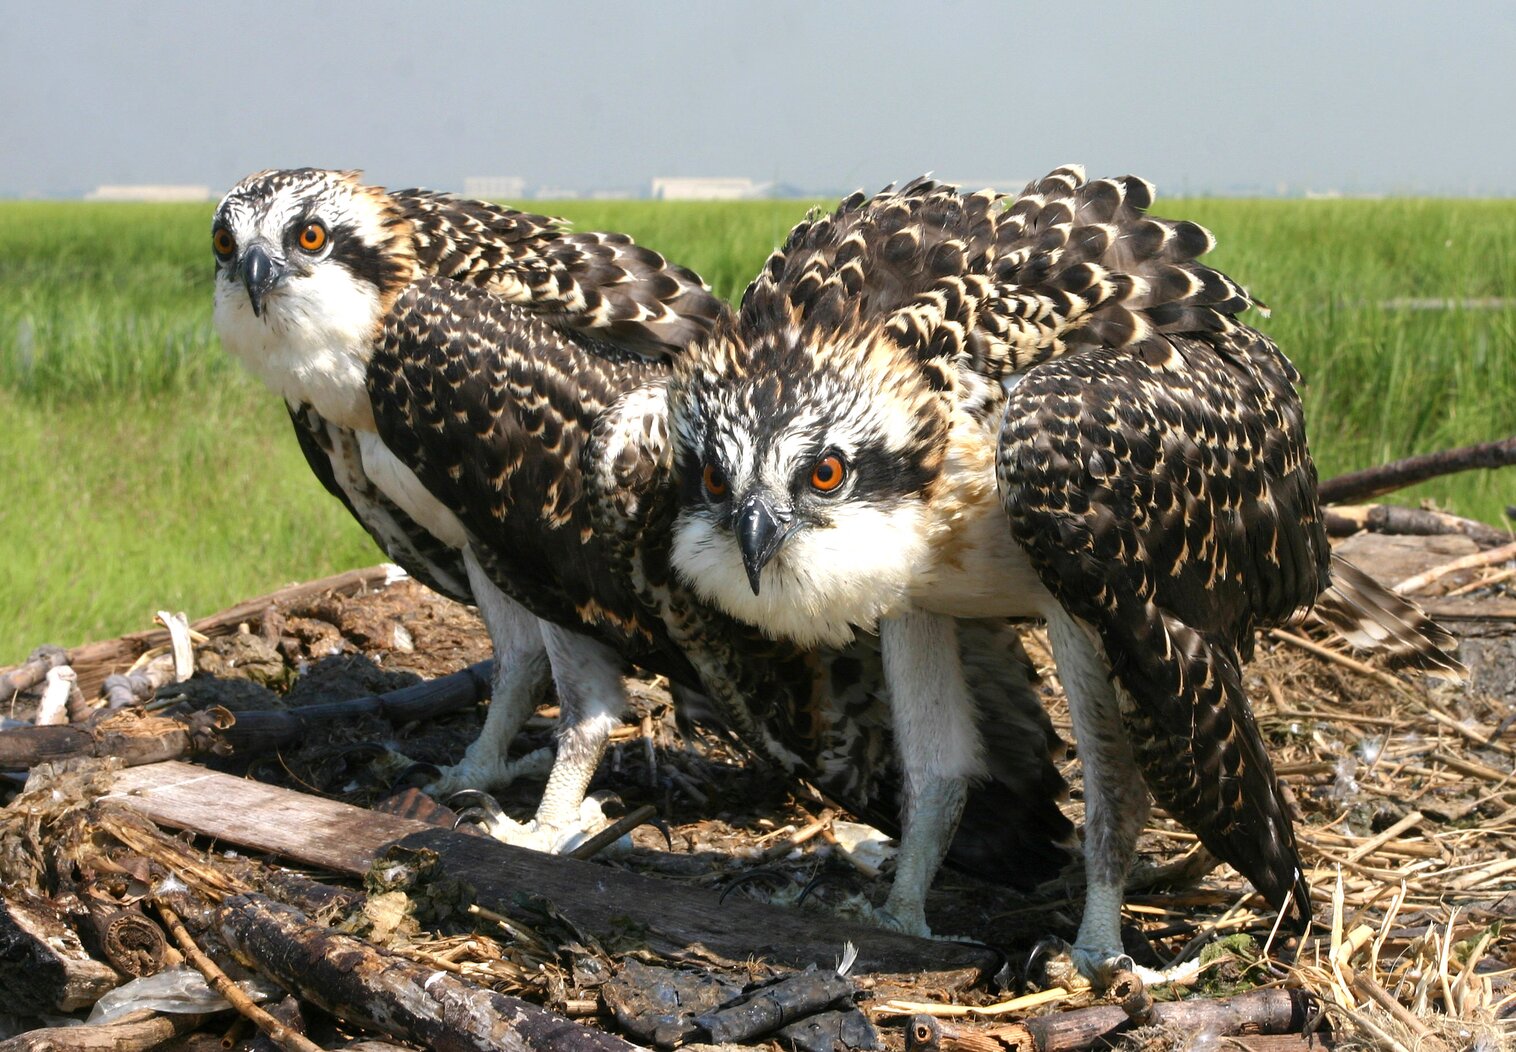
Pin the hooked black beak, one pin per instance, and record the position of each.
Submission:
(258, 276)
(760, 532)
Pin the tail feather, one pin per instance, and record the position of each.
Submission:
(1370, 617)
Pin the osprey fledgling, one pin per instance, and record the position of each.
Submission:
(485, 393)
(935, 405)
(311, 266)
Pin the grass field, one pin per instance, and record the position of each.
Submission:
(141, 470)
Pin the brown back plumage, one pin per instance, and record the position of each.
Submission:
(596, 282)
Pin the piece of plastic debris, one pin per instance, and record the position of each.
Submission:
(180, 990)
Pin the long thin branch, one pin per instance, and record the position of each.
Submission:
(1385, 478)
(277, 1032)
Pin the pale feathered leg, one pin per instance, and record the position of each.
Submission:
(1116, 800)
(591, 702)
(940, 751)
(520, 680)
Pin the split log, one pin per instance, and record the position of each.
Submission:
(43, 965)
(125, 1036)
(378, 990)
(606, 903)
(1271, 1011)
(95, 661)
(1411, 522)
(1385, 478)
(136, 738)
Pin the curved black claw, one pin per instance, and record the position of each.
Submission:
(484, 810)
(818, 881)
(662, 827)
(417, 775)
(751, 876)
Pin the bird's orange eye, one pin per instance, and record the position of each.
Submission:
(828, 473)
(715, 481)
(313, 237)
(223, 242)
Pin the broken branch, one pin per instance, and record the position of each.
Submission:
(1344, 521)
(1271, 1011)
(1385, 478)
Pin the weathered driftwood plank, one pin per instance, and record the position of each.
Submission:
(607, 903)
(378, 990)
(94, 661)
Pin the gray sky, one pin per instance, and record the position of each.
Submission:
(1384, 96)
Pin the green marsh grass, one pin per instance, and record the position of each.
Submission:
(141, 469)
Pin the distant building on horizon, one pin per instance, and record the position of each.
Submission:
(493, 187)
(683, 188)
(157, 193)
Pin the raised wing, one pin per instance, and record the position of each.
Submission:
(1166, 496)
(601, 284)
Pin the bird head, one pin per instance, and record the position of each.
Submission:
(804, 456)
(308, 262)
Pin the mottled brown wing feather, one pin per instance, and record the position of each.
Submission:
(1165, 495)
(602, 284)
(491, 408)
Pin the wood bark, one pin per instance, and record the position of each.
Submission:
(378, 990)
(95, 661)
(1385, 478)
(1272, 1011)
(1413, 522)
(31, 671)
(43, 966)
(607, 903)
(125, 1036)
(136, 738)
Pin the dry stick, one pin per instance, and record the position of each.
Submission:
(137, 739)
(1372, 844)
(1339, 659)
(1484, 582)
(1470, 767)
(1467, 562)
(614, 832)
(1385, 478)
(32, 671)
(277, 1032)
(806, 832)
(1478, 737)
